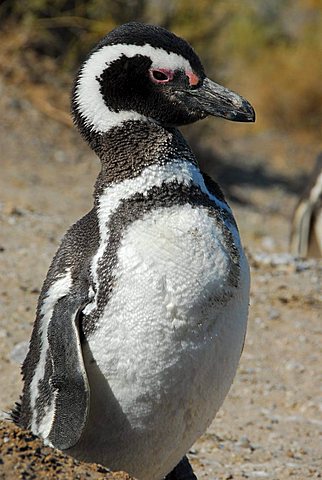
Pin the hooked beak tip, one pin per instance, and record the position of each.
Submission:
(246, 113)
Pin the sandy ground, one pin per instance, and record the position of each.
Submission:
(270, 425)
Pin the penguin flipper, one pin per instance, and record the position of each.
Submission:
(69, 379)
(55, 399)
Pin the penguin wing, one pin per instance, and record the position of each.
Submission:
(56, 397)
(69, 383)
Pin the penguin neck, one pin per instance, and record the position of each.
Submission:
(126, 150)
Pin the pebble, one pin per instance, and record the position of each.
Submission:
(284, 259)
(19, 352)
(258, 474)
(293, 365)
(274, 314)
(244, 442)
(60, 156)
(3, 333)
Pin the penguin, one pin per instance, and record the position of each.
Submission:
(306, 223)
(142, 317)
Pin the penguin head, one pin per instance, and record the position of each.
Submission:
(144, 72)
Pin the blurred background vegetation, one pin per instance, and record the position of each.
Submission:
(271, 51)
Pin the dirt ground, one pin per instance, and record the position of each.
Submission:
(270, 425)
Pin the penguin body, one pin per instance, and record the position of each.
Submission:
(142, 317)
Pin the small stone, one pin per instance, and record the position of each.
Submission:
(274, 314)
(3, 333)
(244, 442)
(193, 451)
(259, 474)
(19, 352)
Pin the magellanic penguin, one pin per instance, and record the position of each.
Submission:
(142, 317)
(306, 225)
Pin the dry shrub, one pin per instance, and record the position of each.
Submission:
(286, 86)
(271, 52)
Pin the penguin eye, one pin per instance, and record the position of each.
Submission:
(161, 75)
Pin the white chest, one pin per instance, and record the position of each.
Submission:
(167, 347)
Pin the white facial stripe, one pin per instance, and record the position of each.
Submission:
(57, 290)
(88, 96)
(154, 175)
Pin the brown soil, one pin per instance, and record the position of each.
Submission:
(24, 457)
(270, 425)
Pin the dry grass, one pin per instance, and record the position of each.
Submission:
(270, 52)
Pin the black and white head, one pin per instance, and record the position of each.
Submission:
(144, 72)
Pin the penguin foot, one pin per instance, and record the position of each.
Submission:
(183, 471)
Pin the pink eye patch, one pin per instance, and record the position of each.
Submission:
(165, 75)
(193, 78)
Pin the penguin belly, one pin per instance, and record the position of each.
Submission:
(164, 352)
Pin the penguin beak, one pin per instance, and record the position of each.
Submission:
(213, 99)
